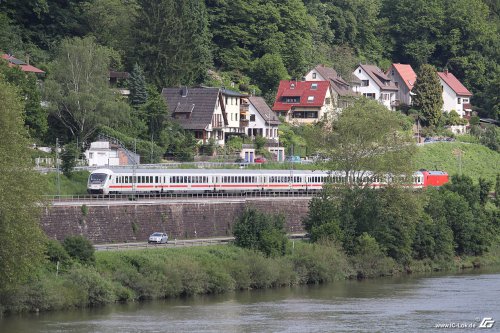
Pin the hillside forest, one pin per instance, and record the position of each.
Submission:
(245, 45)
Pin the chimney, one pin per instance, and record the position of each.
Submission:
(446, 71)
(184, 91)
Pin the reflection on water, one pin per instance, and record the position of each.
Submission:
(407, 304)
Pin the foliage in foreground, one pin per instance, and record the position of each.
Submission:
(455, 220)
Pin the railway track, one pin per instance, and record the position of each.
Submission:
(171, 196)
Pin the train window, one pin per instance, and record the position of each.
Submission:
(126, 179)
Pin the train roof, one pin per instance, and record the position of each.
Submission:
(206, 171)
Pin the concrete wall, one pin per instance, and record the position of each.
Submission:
(135, 222)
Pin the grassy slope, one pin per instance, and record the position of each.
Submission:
(477, 160)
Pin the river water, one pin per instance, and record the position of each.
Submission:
(404, 304)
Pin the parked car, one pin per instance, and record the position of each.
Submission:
(293, 159)
(260, 160)
(158, 238)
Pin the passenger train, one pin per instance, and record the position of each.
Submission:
(136, 181)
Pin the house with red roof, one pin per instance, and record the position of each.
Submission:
(342, 92)
(375, 84)
(404, 78)
(455, 95)
(303, 101)
(25, 67)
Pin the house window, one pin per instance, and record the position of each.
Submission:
(466, 100)
(310, 98)
(198, 135)
(359, 71)
(397, 84)
(314, 75)
(314, 86)
(252, 117)
(386, 97)
(459, 100)
(369, 95)
(365, 83)
(291, 99)
(305, 114)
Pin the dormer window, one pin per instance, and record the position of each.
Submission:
(314, 86)
(310, 98)
(292, 86)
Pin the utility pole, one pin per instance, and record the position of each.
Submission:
(57, 168)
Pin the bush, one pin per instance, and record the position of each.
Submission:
(255, 230)
(80, 249)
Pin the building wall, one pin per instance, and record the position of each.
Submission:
(190, 219)
(232, 105)
(373, 88)
(450, 100)
(403, 94)
(268, 131)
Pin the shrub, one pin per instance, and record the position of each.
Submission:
(80, 249)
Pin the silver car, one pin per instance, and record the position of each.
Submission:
(158, 238)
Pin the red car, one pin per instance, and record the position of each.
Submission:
(260, 160)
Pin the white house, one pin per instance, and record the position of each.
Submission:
(104, 153)
(342, 92)
(233, 107)
(404, 78)
(455, 95)
(262, 120)
(376, 85)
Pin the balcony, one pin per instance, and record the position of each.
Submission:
(244, 122)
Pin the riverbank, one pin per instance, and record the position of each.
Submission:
(129, 276)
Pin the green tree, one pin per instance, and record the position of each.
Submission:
(77, 89)
(428, 94)
(268, 71)
(19, 209)
(173, 41)
(35, 116)
(416, 26)
(137, 85)
(255, 230)
(322, 221)
(365, 136)
(80, 249)
(111, 21)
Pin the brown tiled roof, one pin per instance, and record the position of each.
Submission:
(336, 82)
(201, 102)
(379, 77)
(264, 110)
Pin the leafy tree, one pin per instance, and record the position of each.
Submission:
(173, 41)
(365, 136)
(137, 85)
(484, 190)
(497, 191)
(428, 94)
(323, 220)
(452, 118)
(416, 27)
(20, 235)
(255, 230)
(80, 249)
(77, 89)
(268, 71)
(69, 158)
(111, 21)
(490, 137)
(35, 117)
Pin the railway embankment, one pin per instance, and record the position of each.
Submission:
(115, 222)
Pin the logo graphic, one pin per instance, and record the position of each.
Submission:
(487, 322)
